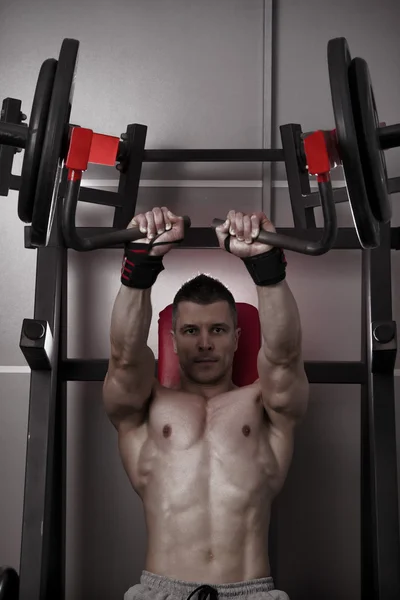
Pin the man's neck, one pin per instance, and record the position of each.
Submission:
(207, 391)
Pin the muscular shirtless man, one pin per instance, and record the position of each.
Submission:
(206, 459)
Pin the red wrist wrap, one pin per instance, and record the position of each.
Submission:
(139, 270)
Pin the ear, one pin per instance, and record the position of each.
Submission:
(174, 341)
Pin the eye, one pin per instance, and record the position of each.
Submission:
(190, 331)
(218, 329)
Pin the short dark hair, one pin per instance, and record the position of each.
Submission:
(203, 290)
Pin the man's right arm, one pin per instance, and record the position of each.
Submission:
(131, 372)
(131, 378)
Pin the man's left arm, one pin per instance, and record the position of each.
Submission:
(284, 385)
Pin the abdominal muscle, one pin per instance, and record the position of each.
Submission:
(206, 494)
(202, 528)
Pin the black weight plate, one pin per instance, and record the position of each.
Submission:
(53, 146)
(366, 225)
(366, 121)
(34, 143)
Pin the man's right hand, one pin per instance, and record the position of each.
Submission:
(160, 223)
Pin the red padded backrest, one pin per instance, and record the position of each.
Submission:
(245, 359)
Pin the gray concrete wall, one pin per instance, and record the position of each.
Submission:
(193, 72)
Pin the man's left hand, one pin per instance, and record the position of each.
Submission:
(243, 229)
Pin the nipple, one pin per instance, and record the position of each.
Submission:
(167, 430)
(246, 430)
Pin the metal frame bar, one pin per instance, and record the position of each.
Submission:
(217, 155)
(43, 523)
(130, 178)
(43, 536)
(74, 369)
(298, 179)
(380, 533)
(268, 32)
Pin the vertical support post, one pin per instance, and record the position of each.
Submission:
(57, 487)
(42, 547)
(135, 140)
(379, 492)
(298, 179)
(266, 204)
(268, 208)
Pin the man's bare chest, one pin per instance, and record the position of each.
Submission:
(229, 435)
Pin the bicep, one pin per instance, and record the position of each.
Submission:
(128, 387)
(284, 389)
(284, 392)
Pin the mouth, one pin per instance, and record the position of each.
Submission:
(205, 360)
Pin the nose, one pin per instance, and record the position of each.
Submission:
(205, 342)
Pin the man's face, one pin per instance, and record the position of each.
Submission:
(205, 340)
